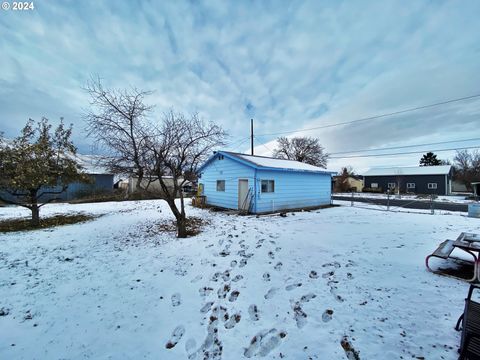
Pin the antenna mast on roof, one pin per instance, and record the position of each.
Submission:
(251, 135)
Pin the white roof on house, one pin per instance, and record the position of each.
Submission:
(92, 164)
(412, 170)
(280, 163)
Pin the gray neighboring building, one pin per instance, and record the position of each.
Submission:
(416, 179)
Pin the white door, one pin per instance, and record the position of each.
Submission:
(242, 194)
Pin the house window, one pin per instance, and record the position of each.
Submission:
(374, 185)
(391, 185)
(432, 185)
(220, 157)
(410, 185)
(220, 185)
(268, 186)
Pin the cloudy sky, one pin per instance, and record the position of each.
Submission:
(290, 65)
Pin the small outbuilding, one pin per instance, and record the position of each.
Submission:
(259, 184)
(416, 179)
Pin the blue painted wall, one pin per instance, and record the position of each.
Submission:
(100, 185)
(230, 171)
(292, 189)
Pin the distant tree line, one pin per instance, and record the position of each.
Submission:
(466, 165)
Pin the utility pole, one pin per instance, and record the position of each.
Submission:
(251, 135)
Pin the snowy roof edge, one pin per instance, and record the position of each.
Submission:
(244, 158)
(410, 170)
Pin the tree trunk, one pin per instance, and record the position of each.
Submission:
(35, 210)
(35, 216)
(138, 185)
(182, 226)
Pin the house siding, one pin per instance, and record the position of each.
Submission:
(101, 183)
(421, 183)
(293, 189)
(230, 171)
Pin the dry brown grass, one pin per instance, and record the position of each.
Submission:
(24, 224)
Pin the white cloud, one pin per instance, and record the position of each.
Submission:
(292, 65)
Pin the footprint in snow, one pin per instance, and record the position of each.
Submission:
(337, 297)
(271, 255)
(278, 248)
(237, 278)
(270, 293)
(292, 286)
(226, 275)
(224, 253)
(299, 315)
(177, 334)
(349, 276)
(335, 264)
(219, 312)
(328, 274)
(233, 263)
(176, 299)
(313, 275)
(216, 276)
(205, 308)
(233, 295)
(264, 342)
(266, 276)
(278, 266)
(190, 346)
(307, 297)
(223, 291)
(204, 291)
(243, 262)
(253, 312)
(234, 320)
(196, 279)
(327, 315)
(347, 346)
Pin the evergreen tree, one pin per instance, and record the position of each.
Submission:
(430, 159)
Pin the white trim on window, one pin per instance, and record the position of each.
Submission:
(410, 185)
(432, 186)
(267, 186)
(392, 185)
(374, 185)
(221, 185)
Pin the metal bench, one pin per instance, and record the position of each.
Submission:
(469, 324)
(443, 251)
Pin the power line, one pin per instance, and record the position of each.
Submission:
(404, 153)
(377, 116)
(264, 145)
(241, 143)
(403, 147)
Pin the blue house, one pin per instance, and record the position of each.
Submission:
(259, 184)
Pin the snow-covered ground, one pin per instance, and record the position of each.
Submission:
(246, 287)
(457, 199)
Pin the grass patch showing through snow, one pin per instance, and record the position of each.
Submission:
(13, 225)
(194, 226)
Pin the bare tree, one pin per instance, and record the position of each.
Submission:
(342, 184)
(177, 149)
(118, 121)
(467, 167)
(304, 149)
